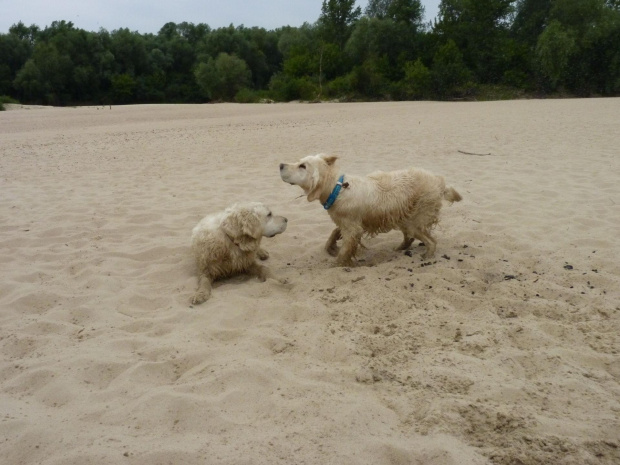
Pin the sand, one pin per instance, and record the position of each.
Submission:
(504, 349)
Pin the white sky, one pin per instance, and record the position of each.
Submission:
(149, 16)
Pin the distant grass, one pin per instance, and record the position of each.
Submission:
(6, 99)
(252, 96)
(486, 93)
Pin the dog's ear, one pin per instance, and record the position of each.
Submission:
(329, 159)
(315, 189)
(244, 228)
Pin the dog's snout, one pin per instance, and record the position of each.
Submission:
(281, 166)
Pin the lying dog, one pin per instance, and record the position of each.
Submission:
(228, 243)
(408, 200)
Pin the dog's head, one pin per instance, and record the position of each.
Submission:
(246, 223)
(309, 173)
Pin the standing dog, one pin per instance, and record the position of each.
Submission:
(228, 243)
(408, 200)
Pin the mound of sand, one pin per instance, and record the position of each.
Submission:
(503, 349)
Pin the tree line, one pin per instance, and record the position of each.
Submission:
(473, 49)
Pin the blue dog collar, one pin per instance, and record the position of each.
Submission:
(334, 195)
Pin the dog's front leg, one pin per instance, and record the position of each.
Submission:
(331, 247)
(261, 272)
(204, 290)
(262, 254)
(351, 239)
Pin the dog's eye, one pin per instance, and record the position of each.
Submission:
(269, 215)
(302, 166)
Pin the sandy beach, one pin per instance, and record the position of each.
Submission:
(503, 349)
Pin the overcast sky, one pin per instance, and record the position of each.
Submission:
(149, 16)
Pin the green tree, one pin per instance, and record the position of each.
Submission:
(123, 88)
(384, 39)
(306, 55)
(14, 52)
(301, 51)
(29, 82)
(129, 51)
(337, 20)
(573, 45)
(222, 78)
(23, 32)
(55, 74)
(594, 62)
(418, 80)
(406, 11)
(531, 18)
(449, 73)
(251, 45)
(553, 52)
(480, 29)
(377, 8)
(369, 79)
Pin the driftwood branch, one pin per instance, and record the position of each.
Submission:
(476, 154)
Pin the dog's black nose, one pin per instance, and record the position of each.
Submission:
(286, 220)
(281, 166)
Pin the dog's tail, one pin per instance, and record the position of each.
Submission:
(451, 195)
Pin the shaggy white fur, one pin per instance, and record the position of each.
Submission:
(228, 243)
(408, 200)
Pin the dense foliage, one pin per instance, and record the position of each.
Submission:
(475, 48)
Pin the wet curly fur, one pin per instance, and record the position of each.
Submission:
(408, 200)
(228, 243)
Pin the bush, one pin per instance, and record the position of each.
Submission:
(417, 83)
(285, 88)
(517, 78)
(341, 88)
(123, 88)
(369, 80)
(246, 95)
(490, 92)
(6, 99)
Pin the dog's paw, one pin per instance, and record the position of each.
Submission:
(333, 251)
(262, 254)
(405, 245)
(199, 298)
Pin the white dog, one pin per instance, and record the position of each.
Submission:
(408, 200)
(228, 243)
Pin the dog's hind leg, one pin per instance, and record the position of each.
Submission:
(331, 247)
(204, 290)
(408, 239)
(429, 242)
